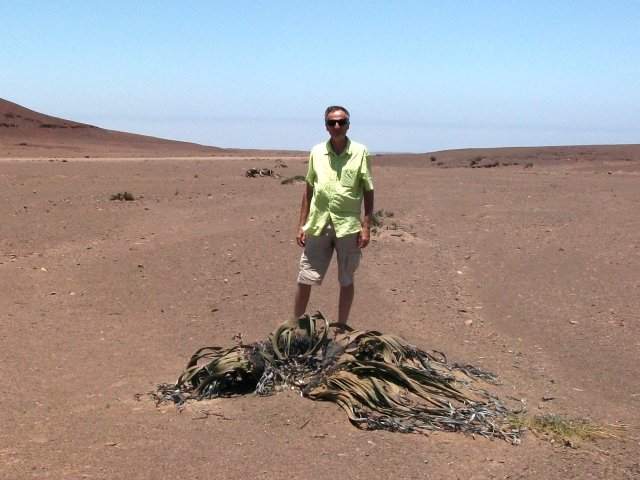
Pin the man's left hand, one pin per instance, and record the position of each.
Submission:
(363, 237)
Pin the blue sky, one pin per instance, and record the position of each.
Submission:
(417, 76)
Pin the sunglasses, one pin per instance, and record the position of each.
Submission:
(342, 122)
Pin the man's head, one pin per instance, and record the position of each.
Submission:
(336, 120)
(335, 108)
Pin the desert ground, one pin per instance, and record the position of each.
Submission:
(528, 268)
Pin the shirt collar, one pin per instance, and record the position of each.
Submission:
(346, 151)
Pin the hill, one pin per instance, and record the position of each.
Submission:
(27, 133)
(521, 156)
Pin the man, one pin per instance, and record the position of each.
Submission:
(338, 182)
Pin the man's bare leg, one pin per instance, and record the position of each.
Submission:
(303, 293)
(344, 303)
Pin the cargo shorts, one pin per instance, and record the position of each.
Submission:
(317, 254)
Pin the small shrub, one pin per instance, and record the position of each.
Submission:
(475, 161)
(433, 159)
(126, 196)
(529, 165)
(294, 179)
(377, 220)
(379, 215)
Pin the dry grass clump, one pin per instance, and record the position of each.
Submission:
(123, 196)
(560, 429)
(294, 179)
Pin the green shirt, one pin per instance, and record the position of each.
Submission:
(338, 184)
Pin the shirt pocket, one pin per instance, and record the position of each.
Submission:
(349, 177)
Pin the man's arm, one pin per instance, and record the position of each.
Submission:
(301, 237)
(365, 233)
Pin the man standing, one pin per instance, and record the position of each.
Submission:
(338, 181)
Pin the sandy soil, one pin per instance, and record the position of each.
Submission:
(530, 272)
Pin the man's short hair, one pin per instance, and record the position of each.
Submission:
(333, 108)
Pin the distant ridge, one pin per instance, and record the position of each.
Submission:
(514, 156)
(27, 133)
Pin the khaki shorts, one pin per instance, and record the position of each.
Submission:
(317, 254)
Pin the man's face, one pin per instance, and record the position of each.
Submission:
(333, 121)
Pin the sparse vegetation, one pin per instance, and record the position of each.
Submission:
(379, 215)
(433, 159)
(560, 429)
(261, 172)
(124, 196)
(294, 179)
(477, 163)
(377, 220)
(529, 165)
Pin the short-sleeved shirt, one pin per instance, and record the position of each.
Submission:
(339, 182)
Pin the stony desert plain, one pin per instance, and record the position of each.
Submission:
(524, 262)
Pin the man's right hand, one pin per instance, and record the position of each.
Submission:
(301, 237)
